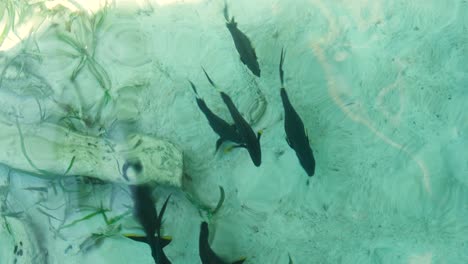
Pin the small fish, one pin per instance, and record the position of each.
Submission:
(296, 135)
(243, 45)
(207, 255)
(225, 131)
(145, 212)
(250, 141)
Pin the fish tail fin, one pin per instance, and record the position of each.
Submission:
(281, 72)
(230, 22)
(225, 11)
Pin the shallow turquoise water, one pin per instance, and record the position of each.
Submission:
(380, 86)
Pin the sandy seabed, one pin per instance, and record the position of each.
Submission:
(381, 87)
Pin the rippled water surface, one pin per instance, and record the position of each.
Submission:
(96, 97)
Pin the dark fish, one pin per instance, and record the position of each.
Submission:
(243, 45)
(225, 131)
(250, 141)
(145, 212)
(207, 255)
(296, 135)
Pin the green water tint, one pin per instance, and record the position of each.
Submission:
(380, 87)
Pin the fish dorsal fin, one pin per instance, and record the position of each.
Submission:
(165, 240)
(136, 237)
